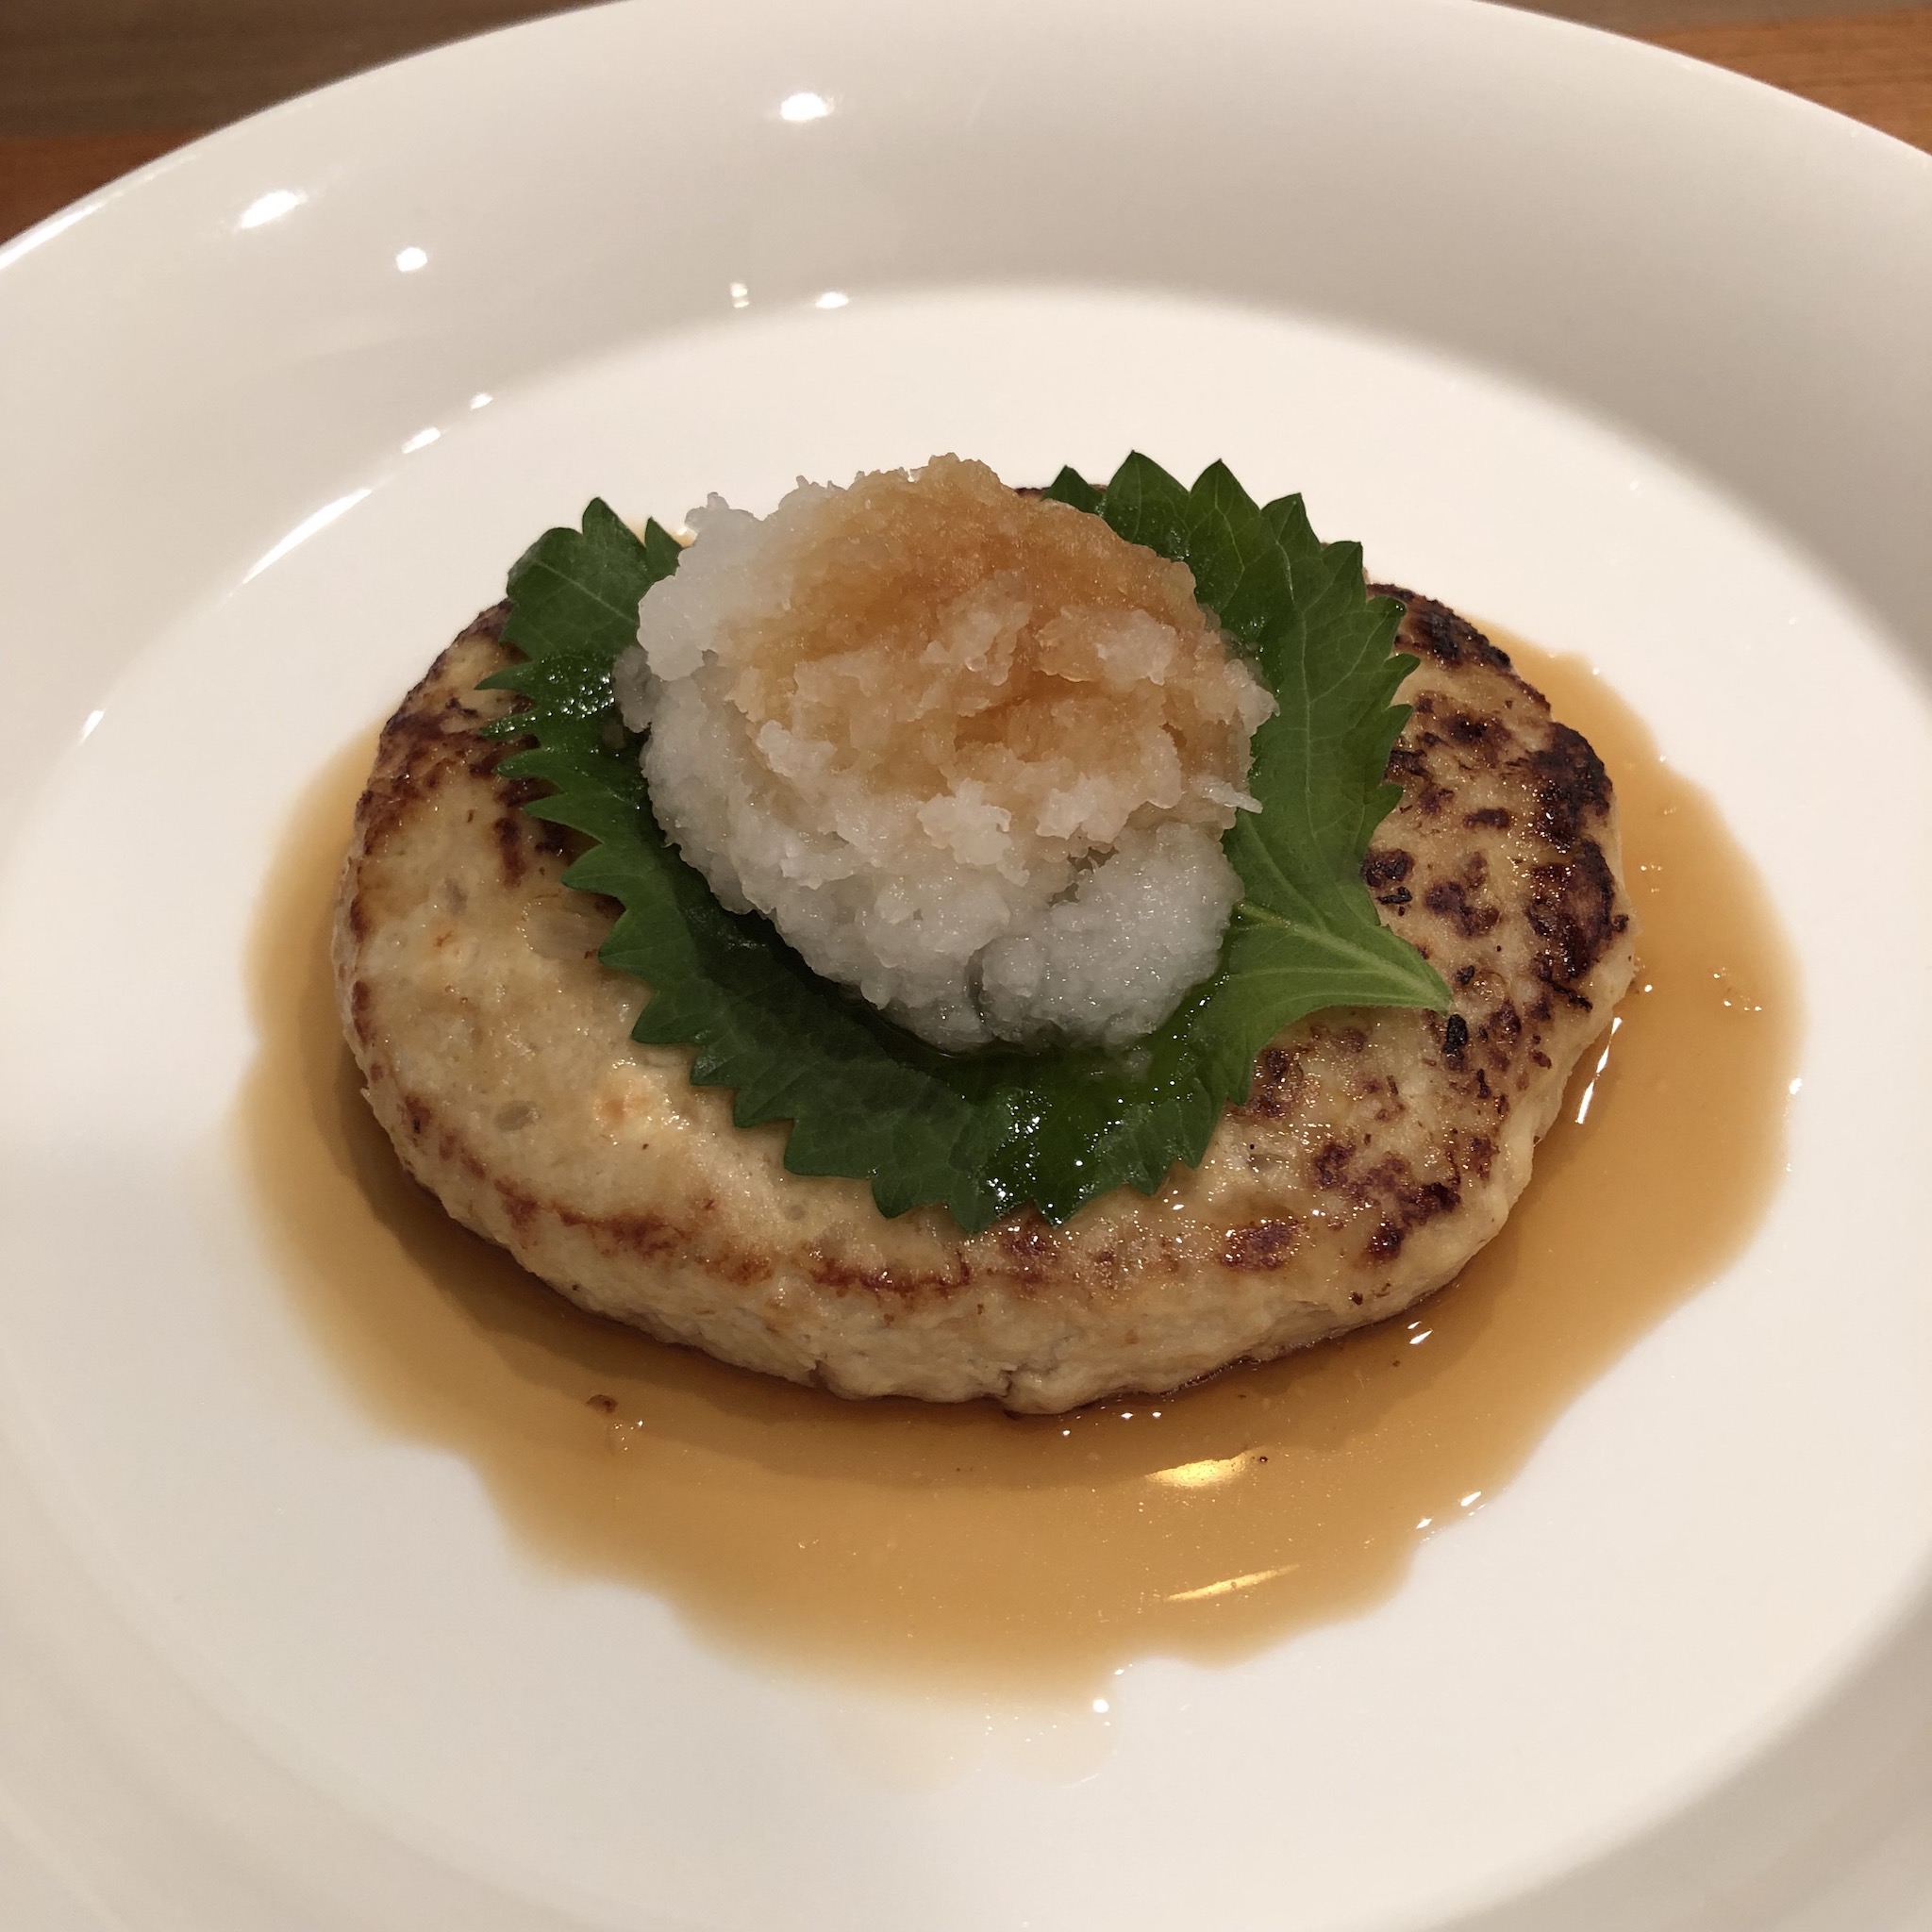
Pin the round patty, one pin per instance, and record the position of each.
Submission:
(1377, 1150)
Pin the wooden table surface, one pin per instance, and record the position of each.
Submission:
(1875, 67)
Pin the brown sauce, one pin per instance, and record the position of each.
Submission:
(964, 1545)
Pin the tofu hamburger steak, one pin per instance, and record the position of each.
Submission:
(976, 758)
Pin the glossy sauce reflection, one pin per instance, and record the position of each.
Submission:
(967, 1546)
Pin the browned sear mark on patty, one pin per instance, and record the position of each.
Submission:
(1572, 910)
(1263, 1245)
(1450, 899)
(1572, 788)
(1384, 869)
(1433, 630)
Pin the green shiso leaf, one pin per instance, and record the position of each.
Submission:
(987, 1133)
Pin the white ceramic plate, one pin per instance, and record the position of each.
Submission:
(1622, 352)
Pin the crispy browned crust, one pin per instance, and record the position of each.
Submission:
(1376, 1152)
